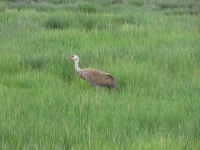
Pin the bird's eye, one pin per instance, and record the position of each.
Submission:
(72, 56)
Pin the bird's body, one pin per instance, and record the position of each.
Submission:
(95, 77)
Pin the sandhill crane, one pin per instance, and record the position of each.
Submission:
(95, 77)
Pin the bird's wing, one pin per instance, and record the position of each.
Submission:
(111, 82)
(98, 78)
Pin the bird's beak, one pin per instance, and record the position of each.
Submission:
(68, 58)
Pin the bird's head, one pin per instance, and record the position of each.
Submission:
(74, 57)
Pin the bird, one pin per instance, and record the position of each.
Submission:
(95, 77)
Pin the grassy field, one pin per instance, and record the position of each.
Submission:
(152, 48)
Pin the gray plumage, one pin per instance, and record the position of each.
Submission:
(95, 77)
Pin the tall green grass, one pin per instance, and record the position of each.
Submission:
(154, 56)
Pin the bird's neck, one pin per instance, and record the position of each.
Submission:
(77, 67)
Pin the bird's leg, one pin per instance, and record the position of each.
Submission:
(96, 87)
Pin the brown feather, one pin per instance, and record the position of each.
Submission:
(98, 78)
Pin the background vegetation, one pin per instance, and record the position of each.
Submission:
(151, 47)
